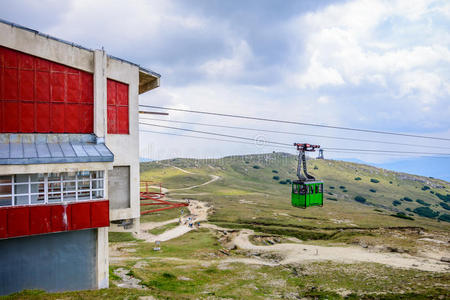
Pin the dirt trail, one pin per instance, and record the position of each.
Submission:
(213, 178)
(199, 213)
(298, 253)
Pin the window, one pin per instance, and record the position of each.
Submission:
(117, 100)
(28, 189)
(317, 188)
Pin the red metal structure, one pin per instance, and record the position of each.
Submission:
(155, 197)
(37, 95)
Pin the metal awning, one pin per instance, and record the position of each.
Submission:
(25, 149)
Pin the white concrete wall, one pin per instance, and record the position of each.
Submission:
(126, 146)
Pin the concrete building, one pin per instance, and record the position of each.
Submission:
(69, 159)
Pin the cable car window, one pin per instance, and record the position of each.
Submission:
(321, 188)
(311, 189)
(317, 188)
(295, 188)
(303, 190)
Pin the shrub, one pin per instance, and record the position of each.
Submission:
(276, 177)
(342, 187)
(444, 205)
(407, 199)
(256, 167)
(332, 187)
(288, 181)
(332, 198)
(390, 182)
(425, 187)
(402, 216)
(282, 182)
(378, 210)
(396, 203)
(357, 178)
(408, 209)
(432, 192)
(330, 193)
(316, 168)
(443, 198)
(373, 191)
(360, 199)
(444, 217)
(275, 171)
(374, 180)
(345, 191)
(423, 202)
(426, 212)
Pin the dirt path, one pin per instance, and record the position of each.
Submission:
(213, 178)
(198, 213)
(299, 253)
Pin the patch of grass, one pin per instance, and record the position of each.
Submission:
(118, 237)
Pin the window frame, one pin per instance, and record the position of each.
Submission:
(48, 179)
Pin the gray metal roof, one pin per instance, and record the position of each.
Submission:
(25, 149)
(146, 70)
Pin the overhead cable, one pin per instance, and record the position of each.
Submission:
(295, 122)
(290, 133)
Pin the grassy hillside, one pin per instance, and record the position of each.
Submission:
(254, 192)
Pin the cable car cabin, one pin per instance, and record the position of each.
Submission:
(307, 193)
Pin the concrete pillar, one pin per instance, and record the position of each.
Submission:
(100, 104)
(102, 258)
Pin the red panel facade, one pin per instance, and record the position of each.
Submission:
(37, 95)
(40, 219)
(18, 221)
(118, 113)
(100, 214)
(81, 216)
(3, 224)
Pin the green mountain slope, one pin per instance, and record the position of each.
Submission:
(254, 192)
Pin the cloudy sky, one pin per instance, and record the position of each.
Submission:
(382, 65)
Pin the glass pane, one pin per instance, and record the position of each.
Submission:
(54, 177)
(97, 174)
(97, 194)
(5, 189)
(97, 184)
(70, 196)
(69, 186)
(5, 201)
(84, 195)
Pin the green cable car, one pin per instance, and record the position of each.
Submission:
(306, 191)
